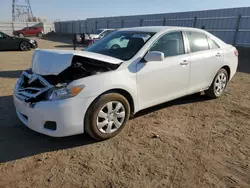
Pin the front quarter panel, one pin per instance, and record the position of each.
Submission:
(118, 79)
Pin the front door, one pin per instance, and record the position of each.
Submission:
(165, 80)
(6, 42)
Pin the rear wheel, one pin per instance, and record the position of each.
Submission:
(219, 84)
(107, 116)
(21, 35)
(24, 46)
(39, 34)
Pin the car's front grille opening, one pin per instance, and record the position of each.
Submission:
(31, 87)
(51, 125)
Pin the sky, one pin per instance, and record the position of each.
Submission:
(81, 9)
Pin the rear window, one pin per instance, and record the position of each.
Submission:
(213, 44)
(197, 41)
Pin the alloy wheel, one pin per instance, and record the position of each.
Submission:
(24, 46)
(111, 117)
(220, 83)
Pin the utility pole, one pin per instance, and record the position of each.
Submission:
(21, 11)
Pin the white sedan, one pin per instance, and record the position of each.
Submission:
(97, 90)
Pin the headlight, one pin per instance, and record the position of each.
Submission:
(32, 41)
(66, 92)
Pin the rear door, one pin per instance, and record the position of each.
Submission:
(34, 31)
(28, 31)
(206, 59)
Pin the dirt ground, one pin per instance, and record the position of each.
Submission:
(200, 142)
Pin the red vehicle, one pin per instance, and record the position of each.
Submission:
(29, 31)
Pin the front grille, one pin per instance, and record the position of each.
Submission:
(30, 86)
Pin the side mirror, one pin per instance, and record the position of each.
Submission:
(122, 38)
(154, 56)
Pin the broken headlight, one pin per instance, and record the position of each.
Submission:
(65, 92)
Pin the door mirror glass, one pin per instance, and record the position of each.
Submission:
(154, 56)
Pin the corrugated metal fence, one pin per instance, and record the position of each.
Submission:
(231, 25)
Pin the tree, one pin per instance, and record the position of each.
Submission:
(34, 19)
(29, 19)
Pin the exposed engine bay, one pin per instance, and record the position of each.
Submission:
(32, 87)
(81, 67)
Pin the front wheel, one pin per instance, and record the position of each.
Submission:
(219, 84)
(21, 35)
(107, 116)
(24, 46)
(39, 34)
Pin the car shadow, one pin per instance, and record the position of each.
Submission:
(64, 46)
(184, 100)
(17, 141)
(244, 58)
(11, 74)
(54, 37)
(71, 46)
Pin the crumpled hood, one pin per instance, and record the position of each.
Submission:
(53, 62)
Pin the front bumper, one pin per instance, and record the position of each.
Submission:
(68, 115)
(33, 44)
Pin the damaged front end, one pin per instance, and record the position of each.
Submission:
(36, 84)
(32, 87)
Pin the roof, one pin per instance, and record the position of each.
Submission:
(105, 29)
(157, 29)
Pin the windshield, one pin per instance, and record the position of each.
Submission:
(97, 32)
(3, 35)
(121, 44)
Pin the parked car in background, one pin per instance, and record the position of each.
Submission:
(100, 33)
(98, 89)
(92, 40)
(14, 43)
(29, 31)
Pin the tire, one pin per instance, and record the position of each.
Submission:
(24, 46)
(21, 35)
(108, 120)
(219, 84)
(39, 34)
(115, 46)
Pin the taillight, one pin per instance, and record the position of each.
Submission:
(236, 53)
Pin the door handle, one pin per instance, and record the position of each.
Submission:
(218, 55)
(184, 62)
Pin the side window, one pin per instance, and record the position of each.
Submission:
(1, 36)
(197, 41)
(170, 44)
(212, 43)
